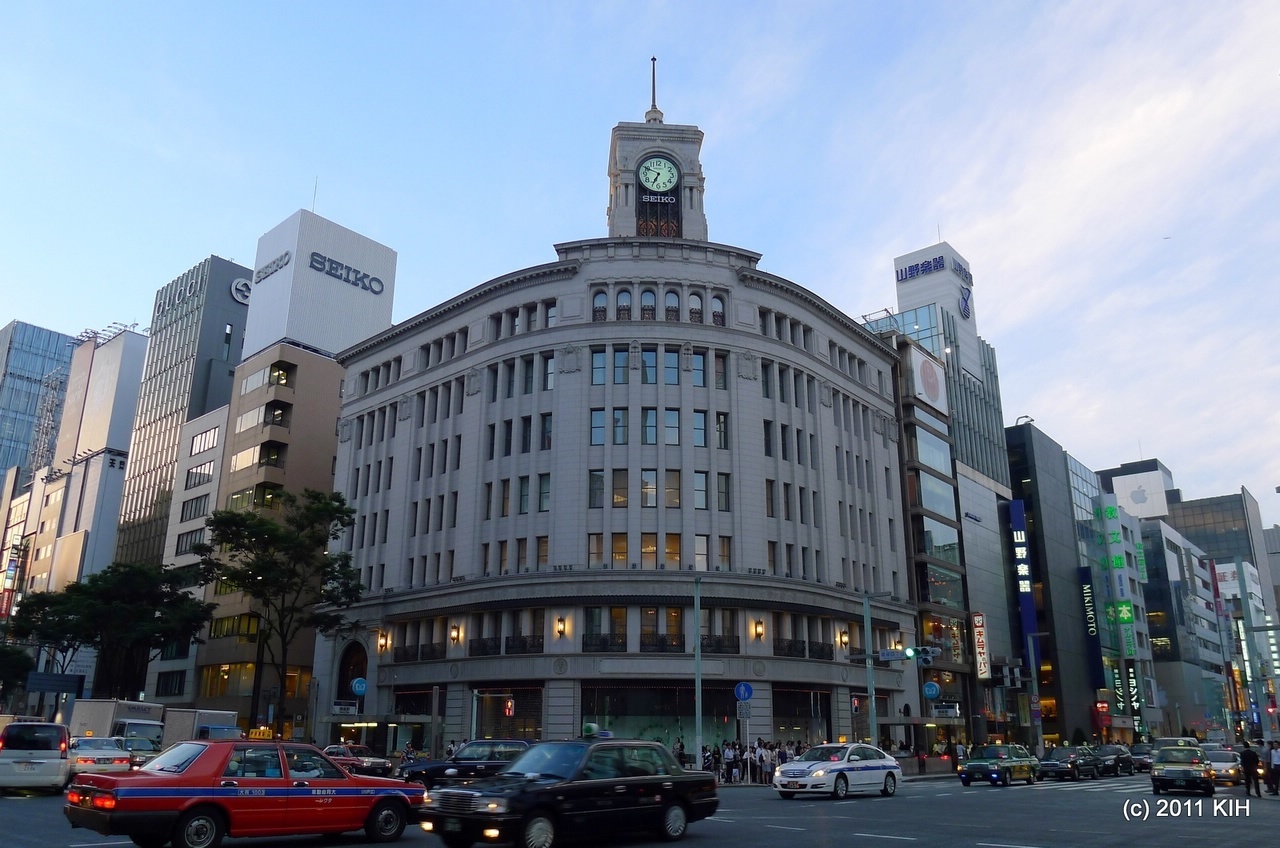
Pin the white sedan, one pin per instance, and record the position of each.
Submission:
(837, 770)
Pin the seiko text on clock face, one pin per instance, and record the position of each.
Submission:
(658, 174)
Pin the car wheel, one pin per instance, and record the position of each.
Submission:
(675, 821)
(200, 828)
(786, 796)
(386, 822)
(965, 781)
(1155, 790)
(890, 786)
(149, 840)
(539, 831)
(1031, 778)
(841, 788)
(1209, 790)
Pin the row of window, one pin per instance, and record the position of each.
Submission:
(619, 361)
(522, 493)
(274, 414)
(786, 329)
(649, 306)
(619, 424)
(383, 374)
(671, 555)
(268, 454)
(803, 499)
(201, 442)
(525, 318)
(620, 493)
(526, 436)
(275, 374)
(526, 372)
(793, 386)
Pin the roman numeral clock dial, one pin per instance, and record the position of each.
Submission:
(658, 209)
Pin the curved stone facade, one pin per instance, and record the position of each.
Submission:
(549, 467)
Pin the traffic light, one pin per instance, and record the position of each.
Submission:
(922, 655)
(509, 708)
(856, 702)
(1271, 705)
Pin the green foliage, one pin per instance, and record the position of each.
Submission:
(128, 612)
(281, 561)
(15, 663)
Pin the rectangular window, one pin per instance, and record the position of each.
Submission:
(544, 443)
(700, 368)
(595, 488)
(699, 490)
(526, 433)
(488, 502)
(726, 551)
(701, 552)
(648, 426)
(621, 365)
(672, 490)
(508, 427)
(766, 379)
(523, 496)
(505, 499)
(649, 487)
(595, 550)
(619, 426)
(768, 438)
(187, 539)
(722, 430)
(649, 366)
(202, 442)
(699, 428)
(526, 367)
(597, 426)
(722, 370)
(722, 492)
(619, 487)
(786, 501)
(543, 544)
(770, 494)
(548, 372)
(195, 508)
(597, 367)
(784, 440)
(619, 546)
(671, 427)
(649, 551)
(671, 551)
(671, 366)
(200, 474)
(544, 492)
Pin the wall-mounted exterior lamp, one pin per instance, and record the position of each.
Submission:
(844, 638)
(454, 633)
(560, 627)
(759, 629)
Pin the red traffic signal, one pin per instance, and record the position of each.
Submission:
(509, 708)
(856, 703)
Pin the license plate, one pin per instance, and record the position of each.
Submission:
(791, 784)
(26, 766)
(1179, 783)
(452, 825)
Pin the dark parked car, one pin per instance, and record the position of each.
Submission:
(1142, 754)
(478, 758)
(573, 788)
(1071, 762)
(1185, 769)
(1116, 759)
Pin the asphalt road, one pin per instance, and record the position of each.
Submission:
(1108, 813)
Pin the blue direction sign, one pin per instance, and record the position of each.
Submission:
(742, 691)
(931, 690)
(359, 686)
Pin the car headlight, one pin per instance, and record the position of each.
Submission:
(1156, 771)
(491, 805)
(818, 772)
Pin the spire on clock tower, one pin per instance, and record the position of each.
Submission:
(655, 177)
(654, 115)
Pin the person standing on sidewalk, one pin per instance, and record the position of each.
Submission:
(1273, 770)
(1249, 764)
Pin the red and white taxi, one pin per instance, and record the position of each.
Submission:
(196, 793)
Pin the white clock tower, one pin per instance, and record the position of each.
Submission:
(655, 179)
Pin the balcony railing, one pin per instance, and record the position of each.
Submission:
(821, 651)
(432, 651)
(599, 313)
(623, 313)
(524, 644)
(486, 646)
(404, 653)
(661, 643)
(417, 653)
(604, 643)
(648, 313)
(673, 313)
(788, 648)
(695, 316)
(720, 645)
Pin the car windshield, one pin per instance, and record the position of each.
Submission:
(1062, 753)
(138, 743)
(176, 759)
(549, 759)
(1180, 755)
(1110, 750)
(991, 752)
(474, 751)
(361, 751)
(1223, 756)
(1143, 748)
(98, 744)
(823, 753)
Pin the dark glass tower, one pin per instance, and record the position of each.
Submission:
(197, 333)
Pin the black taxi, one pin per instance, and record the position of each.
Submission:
(573, 788)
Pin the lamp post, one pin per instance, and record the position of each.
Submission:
(872, 729)
(1033, 666)
(697, 670)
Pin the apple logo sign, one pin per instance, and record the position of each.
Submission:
(1138, 495)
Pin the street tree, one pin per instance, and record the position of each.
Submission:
(129, 612)
(15, 663)
(282, 563)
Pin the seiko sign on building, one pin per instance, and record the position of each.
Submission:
(353, 276)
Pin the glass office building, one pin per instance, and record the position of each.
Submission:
(28, 354)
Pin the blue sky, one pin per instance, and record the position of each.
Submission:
(1110, 170)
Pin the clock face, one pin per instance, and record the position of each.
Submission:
(658, 174)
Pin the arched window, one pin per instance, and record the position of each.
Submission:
(671, 304)
(648, 305)
(600, 307)
(695, 309)
(624, 306)
(717, 311)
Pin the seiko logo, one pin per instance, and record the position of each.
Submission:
(656, 198)
(272, 266)
(346, 273)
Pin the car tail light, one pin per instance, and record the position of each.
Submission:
(121, 761)
(62, 748)
(84, 761)
(104, 802)
(73, 797)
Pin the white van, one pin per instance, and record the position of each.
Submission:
(33, 755)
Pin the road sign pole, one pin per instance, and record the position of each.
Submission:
(873, 731)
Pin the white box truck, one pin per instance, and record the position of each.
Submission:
(183, 724)
(126, 719)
